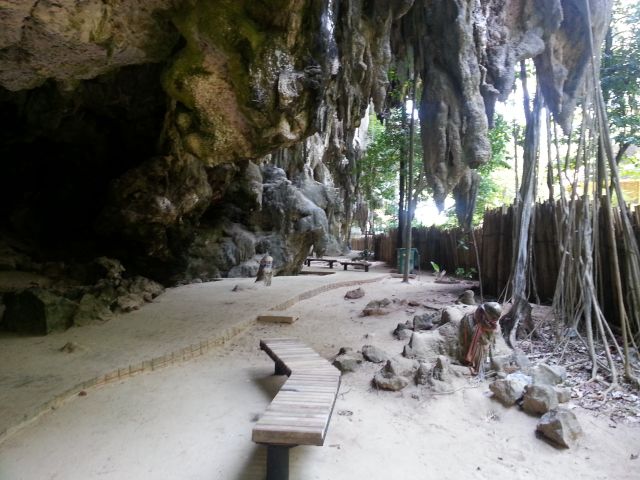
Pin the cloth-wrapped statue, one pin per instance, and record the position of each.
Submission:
(265, 272)
(477, 335)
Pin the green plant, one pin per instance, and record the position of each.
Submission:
(435, 266)
(464, 273)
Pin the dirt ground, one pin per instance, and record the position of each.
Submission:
(194, 420)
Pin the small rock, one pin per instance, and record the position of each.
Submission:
(353, 294)
(71, 347)
(560, 426)
(374, 354)
(539, 399)
(241, 288)
(544, 374)
(344, 350)
(347, 362)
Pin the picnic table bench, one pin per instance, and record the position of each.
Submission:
(330, 261)
(356, 264)
(300, 412)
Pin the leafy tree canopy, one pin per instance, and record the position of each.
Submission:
(620, 74)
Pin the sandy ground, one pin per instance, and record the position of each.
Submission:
(193, 420)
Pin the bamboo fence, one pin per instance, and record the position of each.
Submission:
(452, 249)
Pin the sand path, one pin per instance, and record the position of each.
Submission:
(193, 420)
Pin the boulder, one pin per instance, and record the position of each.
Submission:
(544, 374)
(511, 362)
(424, 346)
(91, 309)
(563, 394)
(403, 331)
(425, 321)
(377, 307)
(104, 267)
(144, 287)
(395, 374)
(455, 314)
(449, 333)
(437, 376)
(245, 269)
(374, 354)
(442, 369)
(508, 390)
(467, 298)
(539, 399)
(401, 366)
(347, 362)
(37, 312)
(353, 294)
(129, 302)
(423, 374)
(393, 383)
(560, 427)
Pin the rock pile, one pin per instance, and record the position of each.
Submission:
(434, 357)
(91, 293)
(541, 393)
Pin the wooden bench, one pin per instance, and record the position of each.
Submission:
(330, 261)
(356, 264)
(300, 412)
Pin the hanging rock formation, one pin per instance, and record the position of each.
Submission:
(187, 138)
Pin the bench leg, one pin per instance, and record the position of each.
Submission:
(345, 267)
(280, 370)
(278, 462)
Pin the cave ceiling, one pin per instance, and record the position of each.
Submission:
(189, 137)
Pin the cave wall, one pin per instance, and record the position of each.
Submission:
(189, 137)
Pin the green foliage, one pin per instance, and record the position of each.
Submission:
(620, 73)
(490, 192)
(378, 170)
(435, 266)
(464, 273)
